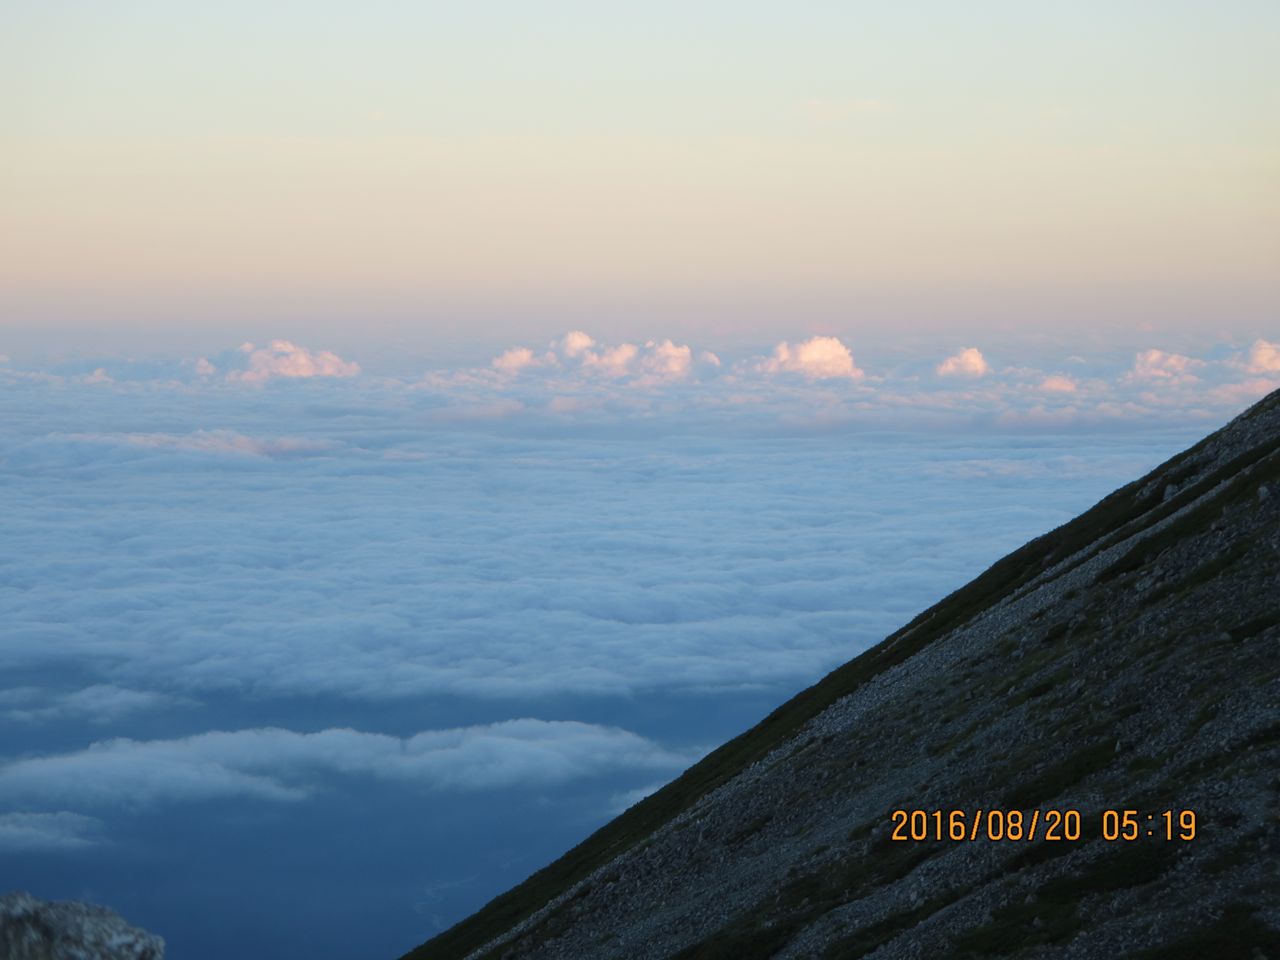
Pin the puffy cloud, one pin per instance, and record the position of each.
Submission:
(1058, 384)
(1264, 357)
(818, 358)
(666, 361)
(1248, 391)
(46, 832)
(515, 360)
(277, 764)
(969, 362)
(284, 359)
(99, 375)
(612, 362)
(575, 343)
(658, 361)
(1157, 365)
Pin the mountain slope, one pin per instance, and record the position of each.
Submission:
(1128, 660)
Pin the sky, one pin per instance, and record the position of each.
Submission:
(180, 169)
(425, 429)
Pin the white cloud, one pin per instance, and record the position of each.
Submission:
(1157, 365)
(281, 765)
(1058, 384)
(213, 441)
(969, 362)
(658, 361)
(515, 360)
(575, 343)
(818, 358)
(555, 544)
(99, 375)
(1245, 392)
(46, 832)
(99, 703)
(1264, 357)
(284, 359)
(666, 361)
(612, 362)
(468, 542)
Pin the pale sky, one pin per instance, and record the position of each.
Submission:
(826, 166)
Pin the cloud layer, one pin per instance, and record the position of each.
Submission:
(46, 833)
(282, 765)
(812, 383)
(479, 608)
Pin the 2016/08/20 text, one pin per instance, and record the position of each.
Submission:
(1050, 825)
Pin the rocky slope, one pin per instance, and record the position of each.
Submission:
(1127, 661)
(32, 929)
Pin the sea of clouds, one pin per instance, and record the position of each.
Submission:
(294, 646)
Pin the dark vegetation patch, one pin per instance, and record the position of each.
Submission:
(873, 936)
(1042, 851)
(1059, 776)
(947, 744)
(1205, 572)
(745, 943)
(1237, 935)
(1251, 628)
(1245, 850)
(1240, 483)
(808, 897)
(1057, 632)
(1052, 913)
(751, 828)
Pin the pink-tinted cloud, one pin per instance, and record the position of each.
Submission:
(818, 358)
(656, 362)
(969, 362)
(1157, 365)
(1264, 357)
(1058, 384)
(521, 358)
(575, 343)
(612, 362)
(284, 359)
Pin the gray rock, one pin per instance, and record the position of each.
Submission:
(32, 929)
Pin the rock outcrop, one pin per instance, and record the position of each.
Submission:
(32, 929)
(1090, 731)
